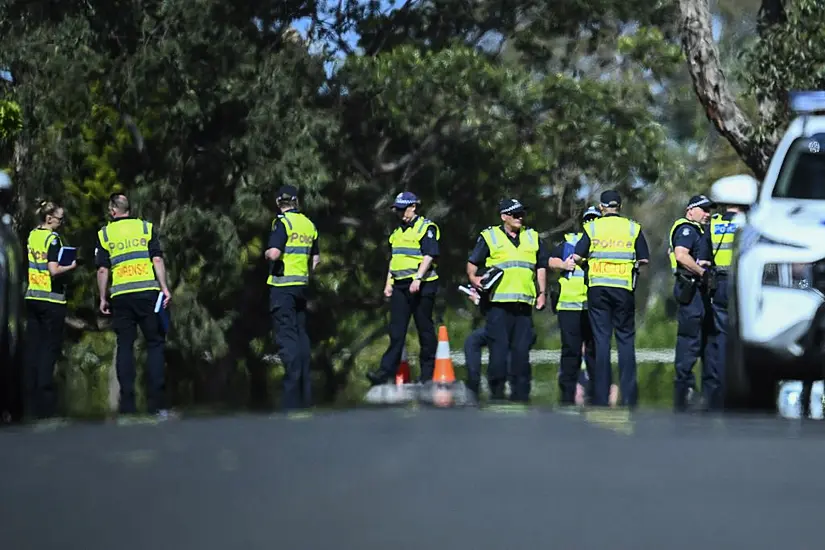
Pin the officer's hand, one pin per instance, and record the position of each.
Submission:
(167, 296)
(388, 291)
(476, 281)
(104, 306)
(569, 264)
(415, 285)
(73, 265)
(541, 300)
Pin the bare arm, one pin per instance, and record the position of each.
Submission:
(160, 272)
(103, 281)
(316, 259)
(556, 263)
(272, 254)
(472, 270)
(541, 279)
(684, 259)
(56, 269)
(424, 266)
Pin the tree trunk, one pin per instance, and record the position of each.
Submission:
(712, 88)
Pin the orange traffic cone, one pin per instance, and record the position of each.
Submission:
(403, 376)
(444, 373)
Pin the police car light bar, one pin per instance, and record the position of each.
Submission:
(807, 101)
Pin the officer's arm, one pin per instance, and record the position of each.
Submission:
(103, 264)
(478, 257)
(277, 242)
(156, 254)
(582, 249)
(542, 259)
(53, 266)
(315, 252)
(642, 250)
(555, 260)
(683, 241)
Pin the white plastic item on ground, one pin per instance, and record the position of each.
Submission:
(788, 401)
(392, 394)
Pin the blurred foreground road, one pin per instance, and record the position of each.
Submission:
(429, 479)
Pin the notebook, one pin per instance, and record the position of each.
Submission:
(67, 255)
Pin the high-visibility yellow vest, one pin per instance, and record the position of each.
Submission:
(612, 257)
(573, 291)
(40, 280)
(670, 252)
(518, 263)
(127, 241)
(301, 233)
(406, 250)
(722, 233)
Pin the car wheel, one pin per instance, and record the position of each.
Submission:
(737, 384)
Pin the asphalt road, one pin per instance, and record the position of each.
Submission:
(429, 479)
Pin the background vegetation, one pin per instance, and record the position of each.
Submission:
(199, 109)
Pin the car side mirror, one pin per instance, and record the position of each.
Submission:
(739, 190)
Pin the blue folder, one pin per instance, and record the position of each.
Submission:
(67, 255)
(567, 251)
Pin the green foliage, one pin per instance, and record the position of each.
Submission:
(11, 120)
(201, 110)
(787, 56)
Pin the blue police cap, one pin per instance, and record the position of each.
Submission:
(591, 211)
(404, 199)
(510, 206)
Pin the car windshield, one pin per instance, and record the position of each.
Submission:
(803, 173)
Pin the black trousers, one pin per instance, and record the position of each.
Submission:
(43, 342)
(510, 334)
(613, 309)
(130, 311)
(288, 310)
(575, 330)
(695, 339)
(419, 306)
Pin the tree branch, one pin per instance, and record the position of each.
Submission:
(427, 145)
(712, 89)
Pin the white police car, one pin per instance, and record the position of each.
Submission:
(777, 306)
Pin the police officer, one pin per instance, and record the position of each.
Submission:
(477, 340)
(294, 252)
(571, 309)
(46, 310)
(473, 344)
(520, 254)
(411, 285)
(722, 231)
(690, 260)
(129, 248)
(613, 247)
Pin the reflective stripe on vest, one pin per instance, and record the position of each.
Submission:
(612, 256)
(40, 280)
(406, 250)
(671, 254)
(573, 291)
(722, 233)
(518, 264)
(127, 241)
(301, 233)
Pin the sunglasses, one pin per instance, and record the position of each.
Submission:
(517, 215)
